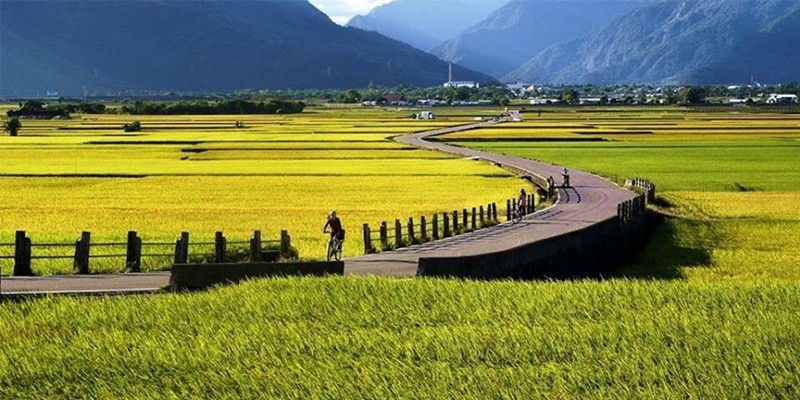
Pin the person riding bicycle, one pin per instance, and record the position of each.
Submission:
(336, 226)
(565, 175)
(522, 201)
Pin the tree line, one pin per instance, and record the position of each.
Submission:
(201, 107)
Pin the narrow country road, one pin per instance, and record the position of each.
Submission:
(589, 200)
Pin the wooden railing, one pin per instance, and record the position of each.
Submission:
(135, 250)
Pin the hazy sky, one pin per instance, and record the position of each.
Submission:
(341, 11)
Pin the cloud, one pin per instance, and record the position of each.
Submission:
(340, 11)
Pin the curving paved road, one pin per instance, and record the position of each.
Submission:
(591, 199)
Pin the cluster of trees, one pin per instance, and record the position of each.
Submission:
(498, 94)
(37, 109)
(235, 106)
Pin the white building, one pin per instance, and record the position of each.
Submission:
(782, 99)
(544, 101)
(425, 115)
(458, 84)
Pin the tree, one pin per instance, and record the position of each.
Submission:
(692, 95)
(569, 96)
(351, 97)
(134, 126)
(12, 126)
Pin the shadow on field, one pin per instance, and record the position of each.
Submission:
(667, 252)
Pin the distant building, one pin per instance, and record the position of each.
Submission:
(431, 102)
(394, 99)
(458, 84)
(782, 99)
(425, 115)
(514, 116)
(589, 101)
(543, 101)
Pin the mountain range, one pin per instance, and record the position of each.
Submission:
(424, 25)
(680, 42)
(520, 29)
(625, 41)
(211, 45)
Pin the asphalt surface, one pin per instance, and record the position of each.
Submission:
(589, 200)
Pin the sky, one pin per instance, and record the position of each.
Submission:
(340, 11)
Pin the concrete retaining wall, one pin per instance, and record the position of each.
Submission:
(201, 276)
(588, 252)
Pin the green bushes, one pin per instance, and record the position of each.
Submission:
(222, 107)
(134, 126)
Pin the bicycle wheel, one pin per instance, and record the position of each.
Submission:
(331, 250)
(516, 217)
(338, 252)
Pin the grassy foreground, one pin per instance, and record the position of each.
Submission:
(373, 338)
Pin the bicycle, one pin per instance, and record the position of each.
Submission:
(334, 249)
(516, 216)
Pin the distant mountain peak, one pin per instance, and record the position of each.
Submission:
(424, 24)
(210, 45)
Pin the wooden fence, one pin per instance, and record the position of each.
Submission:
(136, 250)
(438, 226)
(644, 185)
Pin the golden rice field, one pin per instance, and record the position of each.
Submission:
(708, 310)
(200, 174)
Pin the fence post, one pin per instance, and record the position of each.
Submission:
(286, 244)
(435, 226)
(255, 247)
(474, 222)
(481, 216)
(220, 247)
(464, 219)
(81, 261)
(410, 230)
(455, 222)
(446, 224)
(398, 234)
(182, 249)
(423, 228)
(531, 205)
(367, 239)
(22, 255)
(494, 212)
(508, 210)
(133, 253)
(384, 236)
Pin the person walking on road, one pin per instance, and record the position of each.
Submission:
(522, 201)
(565, 176)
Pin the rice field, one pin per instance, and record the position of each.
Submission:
(730, 183)
(433, 339)
(200, 174)
(709, 309)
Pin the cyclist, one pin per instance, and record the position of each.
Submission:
(522, 202)
(336, 226)
(565, 174)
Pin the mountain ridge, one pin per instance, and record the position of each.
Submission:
(198, 46)
(432, 24)
(520, 29)
(665, 42)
